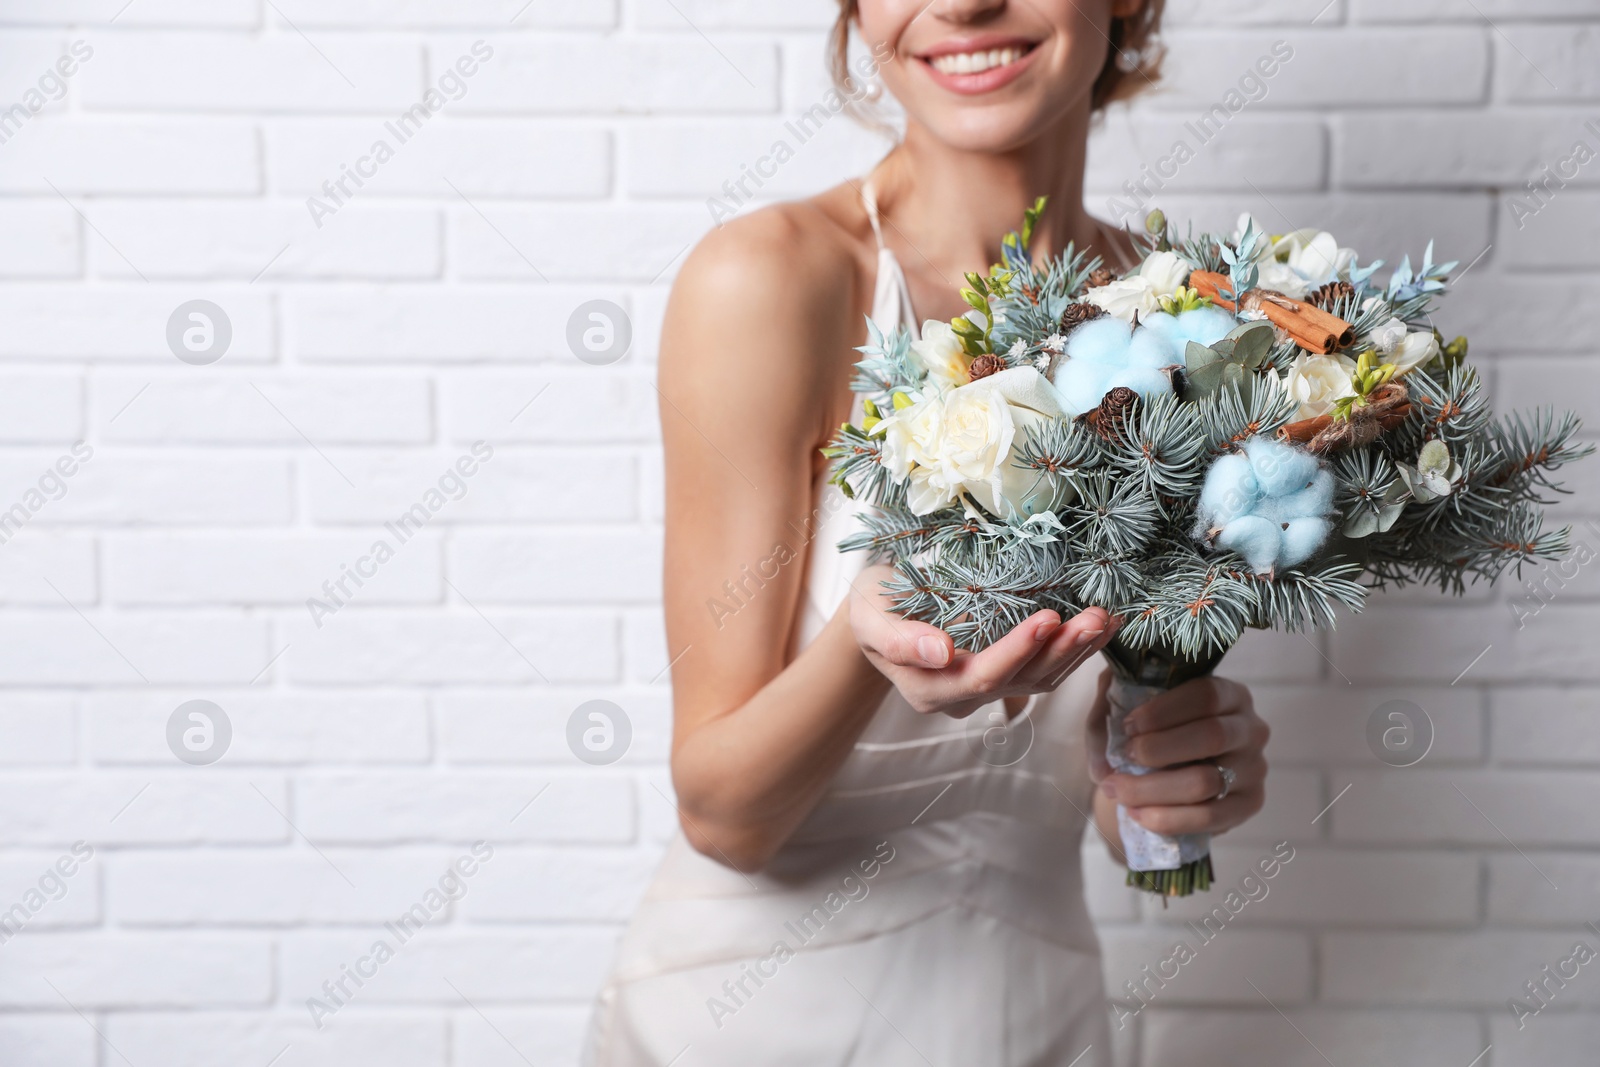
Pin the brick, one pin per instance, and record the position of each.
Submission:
(1545, 1038)
(673, 158)
(233, 13)
(199, 1039)
(1277, 154)
(37, 892)
(471, 153)
(36, 559)
(1562, 234)
(486, 726)
(1439, 65)
(655, 74)
(508, 1037)
(405, 323)
(499, 15)
(124, 323)
(617, 566)
(644, 648)
(151, 488)
(574, 244)
(488, 968)
(585, 404)
(1536, 63)
(1459, 149)
(1274, 656)
(734, 15)
(1432, 11)
(173, 808)
(1328, 723)
(513, 485)
(1468, 807)
(132, 156)
(1551, 303)
(1221, 970)
(1524, 385)
(1338, 887)
(62, 648)
(47, 1041)
(559, 885)
(1519, 894)
(36, 408)
(465, 806)
(104, 970)
(329, 409)
(1295, 13)
(212, 241)
(232, 72)
(268, 727)
(1415, 644)
(1544, 726)
(277, 887)
(1455, 969)
(37, 729)
(1303, 1037)
(39, 241)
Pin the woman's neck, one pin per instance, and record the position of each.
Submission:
(952, 207)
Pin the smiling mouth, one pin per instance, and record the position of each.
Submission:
(978, 62)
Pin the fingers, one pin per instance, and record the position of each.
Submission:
(897, 640)
(1214, 817)
(992, 670)
(1201, 739)
(1080, 638)
(1197, 783)
(1195, 699)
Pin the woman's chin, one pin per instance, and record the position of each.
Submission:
(991, 128)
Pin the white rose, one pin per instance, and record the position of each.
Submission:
(1166, 272)
(1298, 262)
(983, 423)
(940, 353)
(1414, 351)
(1388, 337)
(911, 439)
(1126, 297)
(1315, 382)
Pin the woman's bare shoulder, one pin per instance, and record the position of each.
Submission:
(794, 258)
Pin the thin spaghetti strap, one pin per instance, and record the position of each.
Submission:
(869, 199)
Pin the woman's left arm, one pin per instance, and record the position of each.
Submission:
(1185, 733)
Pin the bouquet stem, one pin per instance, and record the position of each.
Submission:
(1168, 866)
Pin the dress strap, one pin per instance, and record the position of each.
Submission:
(869, 199)
(891, 296)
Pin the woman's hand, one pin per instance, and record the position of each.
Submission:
(1185, 733)
(934, 676)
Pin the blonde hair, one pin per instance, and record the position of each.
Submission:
(1133, 42)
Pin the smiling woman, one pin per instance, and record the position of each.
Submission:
(813, 726)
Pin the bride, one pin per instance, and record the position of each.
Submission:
(878, 861)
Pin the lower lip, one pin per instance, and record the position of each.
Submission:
(985, 82)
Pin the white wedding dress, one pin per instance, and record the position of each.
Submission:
(929, 912)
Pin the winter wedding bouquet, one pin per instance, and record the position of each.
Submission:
(1244, 431)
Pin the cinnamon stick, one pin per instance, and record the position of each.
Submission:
(1309, 327)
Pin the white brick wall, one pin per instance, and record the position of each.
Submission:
(429, 312)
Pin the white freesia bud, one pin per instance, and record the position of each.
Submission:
(1166, 272)
(940, 353)
(1416, 349)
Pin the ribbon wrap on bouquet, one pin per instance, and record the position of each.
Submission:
(1146, 850)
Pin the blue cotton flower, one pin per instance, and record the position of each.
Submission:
(1205, 326)
(1270, 504)
(1106, 353)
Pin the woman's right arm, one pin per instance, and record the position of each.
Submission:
(754, 357)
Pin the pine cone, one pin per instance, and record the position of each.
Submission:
(1078, 314)
(1326, 296)
(1108, 419)
(986, 365)
(1103, 276)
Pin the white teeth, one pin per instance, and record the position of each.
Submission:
(976, 62)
